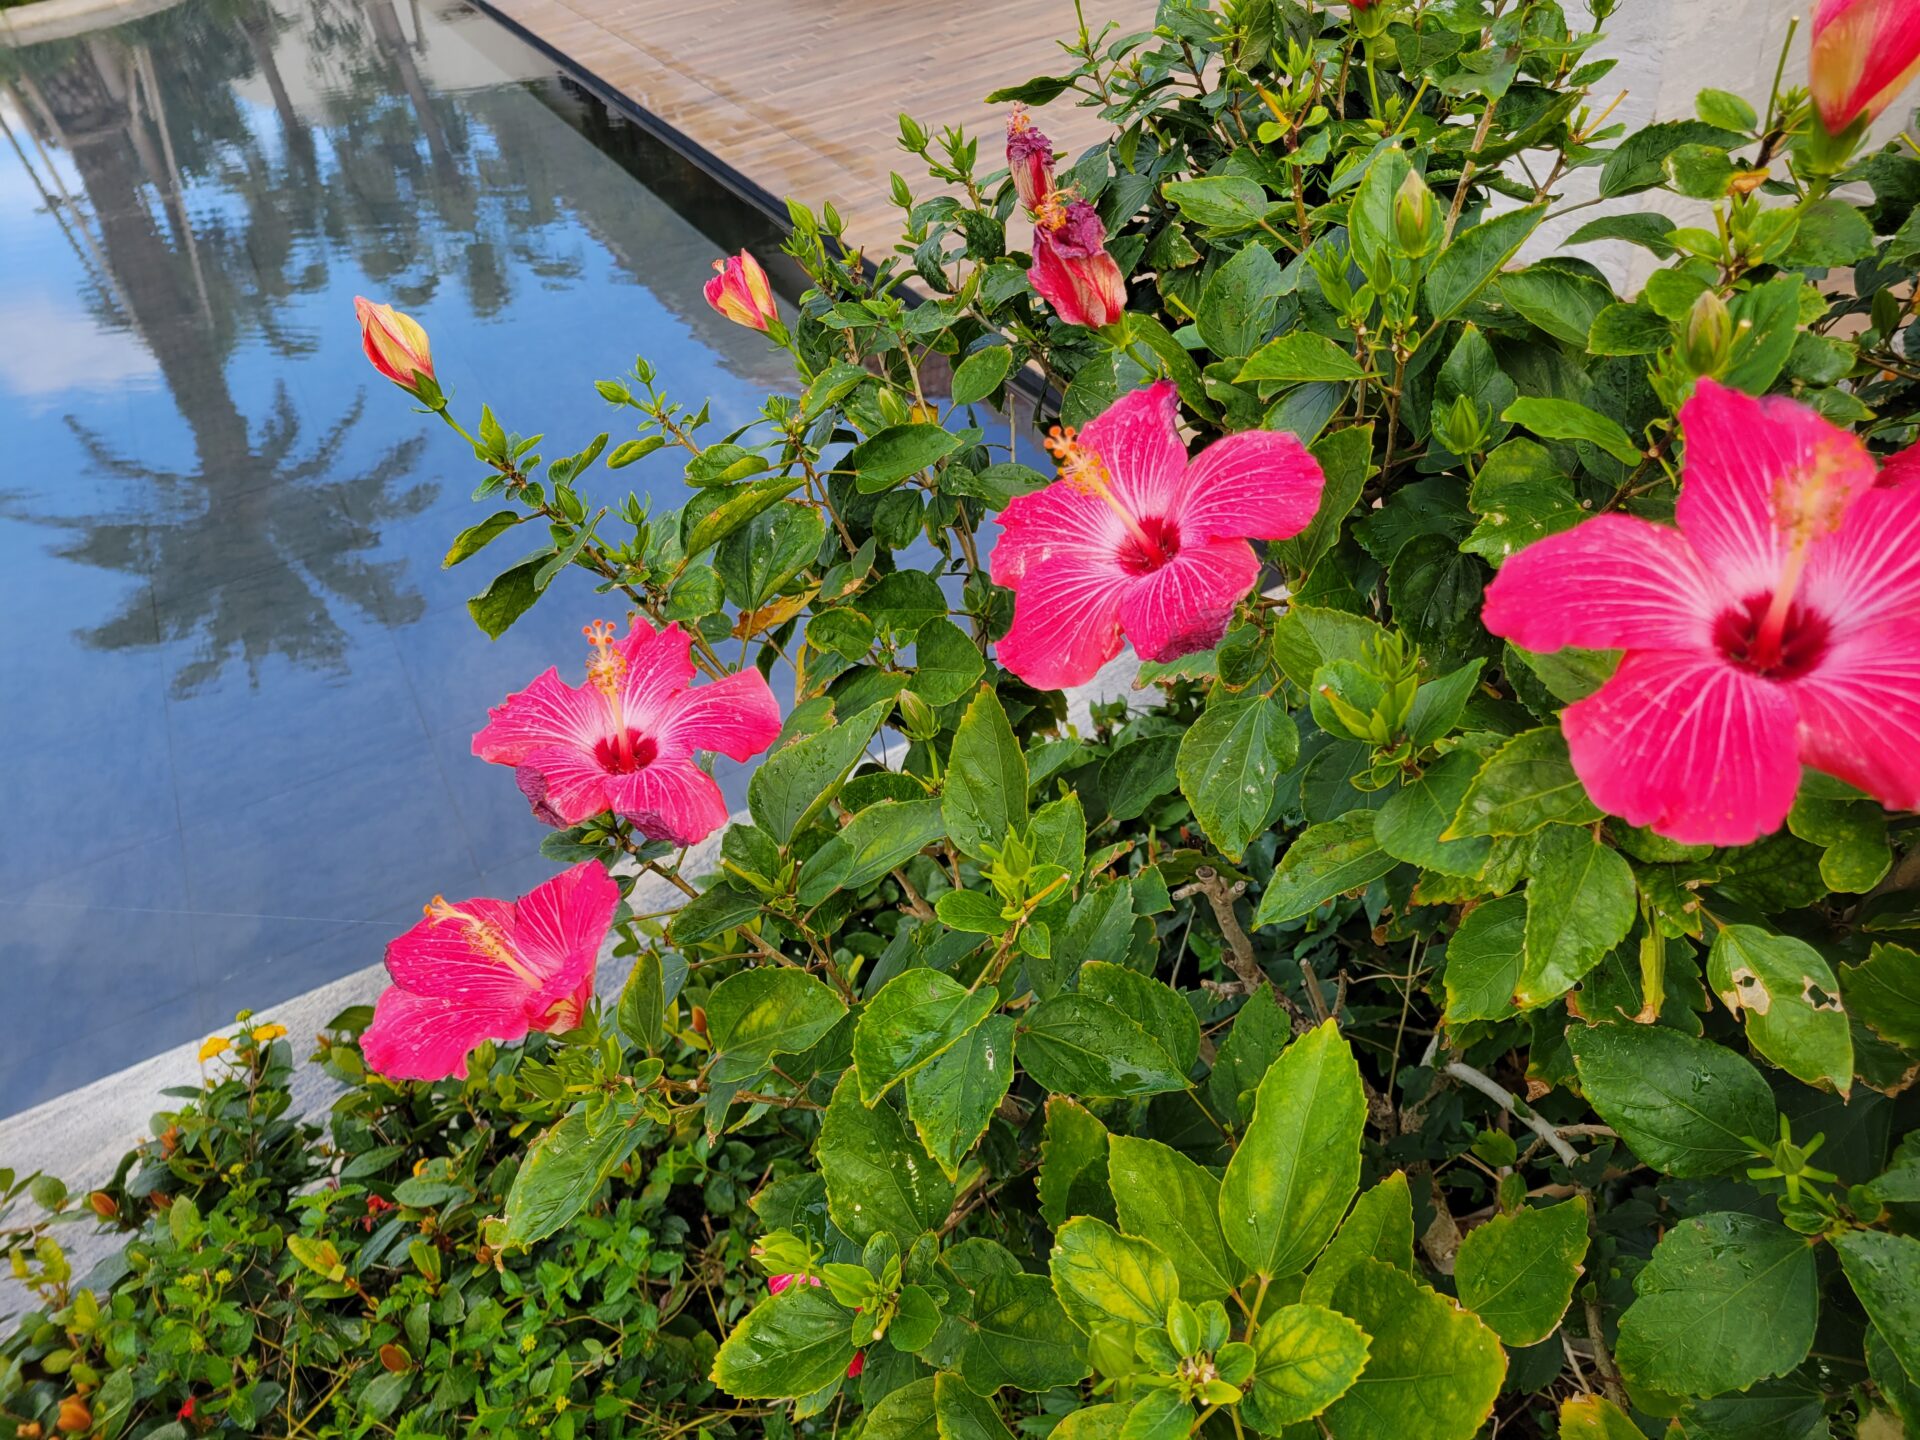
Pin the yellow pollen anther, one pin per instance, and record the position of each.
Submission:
(1019, 122)
(1079, 466)
(1051, 212)
(484, 937)
(606, 665)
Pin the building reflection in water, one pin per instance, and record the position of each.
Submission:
(243, 687)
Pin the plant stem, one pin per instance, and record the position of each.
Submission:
(1512, 1104)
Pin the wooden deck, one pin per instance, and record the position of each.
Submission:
(801, 97)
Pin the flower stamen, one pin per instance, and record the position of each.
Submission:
(606, 669)
(485, 938)
(1086, 472)
(1808, 504)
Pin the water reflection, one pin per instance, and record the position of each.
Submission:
(243, 685)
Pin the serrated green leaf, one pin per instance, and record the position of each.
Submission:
(1324, 860)
(1102, 1277)
(1517, 1272)
(1787, 995)
(1162, 1196)
(914, 1018)
(1433, 1369)
(952, 1100)
(878, 1178)
(1581, 902)
(1306, 1357)
(790, 1344)
(1076, 1045)
(1686, 1106)
(986, 789)
(756, 1014)
(1379, 1227)
(1527, 783)
(1230, 763)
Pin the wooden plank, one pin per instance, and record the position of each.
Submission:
(803, 96)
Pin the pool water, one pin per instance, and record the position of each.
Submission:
(239, 686)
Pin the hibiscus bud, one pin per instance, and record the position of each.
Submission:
(1864, 52)
(1416, 219)
(103, 1205)
(75, 1417)
(699, 1020)
(396, 345)
(1029, 159)
(1709, 334)
(917, 717)
(1464, 426)
(739, 291)
(1072, 270)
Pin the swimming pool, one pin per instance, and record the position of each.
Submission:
(240, 687)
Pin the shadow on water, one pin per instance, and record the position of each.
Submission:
(244, 684)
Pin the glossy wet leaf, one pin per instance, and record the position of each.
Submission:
(1580, 904)
(1306, 1357)
(878, 1178)
(905, 1414)
(959, 1414)
(947, 664)
(1786, 993)
(1230, 763)
(1076, 1045)
(756, 1014)
(884, 459)
(1594, 1417)
(1485, 959)
(1884, 1271)
(1324, 860)
(1298, 1165)
(1165, 1197)
(1686, 1106)
(986, 788)
(1527, 783)
(1410, 824)
(1883, 992)
(1102, 1277)
(1517, 1272)
(1727, 1299)
(951, 1100)
(1433, 1369)
(792, 1343)
(875, 842)
(1073, 1163)
(1153, 1005)
(798, 779)
(568, 1167)
(1474, 257)
(1018, 1335)
(914, 1018)
(1379, 1227)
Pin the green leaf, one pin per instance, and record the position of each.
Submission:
(952, 1100)
(1644, 228)
(1379, 1227)
(1094, 1422)
(1727, 1299)
(1162, 1196)
(1527, 783)
(1484, 961)
(798, 779)
(1018, 1335)
(1686, 1106)
(1518, 497)
(1629, 330)
(1222, 203)
(1474, 257)
(1594, 1417)
(1566, 420)
(1831, 232)
(1436, 592)
(568, 1166)
(753, 1015)
(1639, 162)
(1260, 1032)
(946, 662)
(1434, 1370)
(1409, 826)
(1884, 993)
(740, 504)
(878, 840)
(959, 1414)
(1306, 1357)
(790, 1344)
(1346, 459)
(1299, 355)
(475, 538)
(641, 1014)
(1884, 1271)
(1237, 305)
(1076, 1045)
(1230, 763)
(509, 595)
(1289, 1181)
(1517, 1272)
(1790, 1001)
(905, 1414)
(1073, 1163)
(884, 459)
(986, 790)
(878, 1178)
(1580, 904)
(762, 555)
(907, 601)
(1102, 1276)
(1325, 860)
(1307, 637)
(915, 1017)
(1155, 1007)
(1561, 302)
(716, 909)
(980, 374)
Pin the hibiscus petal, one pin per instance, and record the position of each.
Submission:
(547, 712)
(1609, 582)
(1138, 439)
(659, 667)
(1066, 620)
(561, 923)
(671, 799)
(414, 1037)
(1745, 457)
(736, 715)
(1259, 484)
(576, 783)
(441, 959)
(1695, 749)
(1860, 713)
(1870, 571)
(1185, 605)
(1057, 524)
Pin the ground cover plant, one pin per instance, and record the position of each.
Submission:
(1468, 986)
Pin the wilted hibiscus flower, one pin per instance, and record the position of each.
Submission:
(1778, 626)
(490, 970)
(1135, 540)
(625, 740)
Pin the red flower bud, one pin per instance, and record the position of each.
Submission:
(739, 291)
(1072, 270)
(1029, 159)
(395, 343)
(1864, 53)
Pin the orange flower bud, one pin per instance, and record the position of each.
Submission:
(395, 344)
(739, 291)
(75, 1417)
(103, 1205)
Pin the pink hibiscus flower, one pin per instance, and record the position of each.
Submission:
(490, 970)
(1135, 540)
(625, 740)
(1778, 626)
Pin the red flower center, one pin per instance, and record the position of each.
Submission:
(1156, 544)
(618, 758)
(1802, 641)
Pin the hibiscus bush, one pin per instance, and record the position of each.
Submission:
(1456, 974)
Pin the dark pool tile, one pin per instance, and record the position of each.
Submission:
(96, 1050)
(105, 787)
